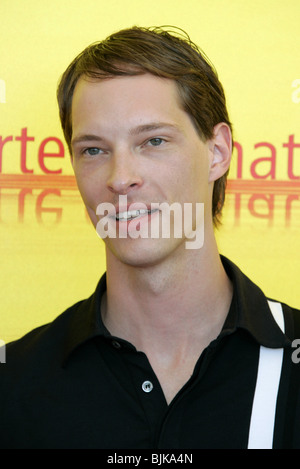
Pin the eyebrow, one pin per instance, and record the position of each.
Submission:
(153, 126)
(86, 138)
(134, 131)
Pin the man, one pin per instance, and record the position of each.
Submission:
(176, 348)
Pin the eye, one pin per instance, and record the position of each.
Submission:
(93, 151)
(155, 142)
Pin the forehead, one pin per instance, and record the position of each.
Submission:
(141, 85)
(124, 97)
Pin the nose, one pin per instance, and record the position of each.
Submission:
(124, 174)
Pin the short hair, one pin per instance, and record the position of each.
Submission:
(162, 53)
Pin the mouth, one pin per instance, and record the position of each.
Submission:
(133, 214)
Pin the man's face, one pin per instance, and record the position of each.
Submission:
(132, 138)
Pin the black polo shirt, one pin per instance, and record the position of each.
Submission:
(70, 384)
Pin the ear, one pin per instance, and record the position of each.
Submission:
(221, 150)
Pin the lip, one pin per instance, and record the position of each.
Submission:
(137, 218)
(137, 227)
(126, 227)
(132, 206)
(113, 211)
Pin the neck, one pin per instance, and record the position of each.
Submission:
(170, 311)
(151, 306)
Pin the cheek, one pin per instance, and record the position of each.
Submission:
(90, 191)
(200, 173)
(192, 181)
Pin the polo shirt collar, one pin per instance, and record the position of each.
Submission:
(85, 321)
(249, 310)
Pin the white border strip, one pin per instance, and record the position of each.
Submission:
(266, 391)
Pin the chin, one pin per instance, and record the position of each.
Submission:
(141, 253)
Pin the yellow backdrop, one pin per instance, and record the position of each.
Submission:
(51, 256)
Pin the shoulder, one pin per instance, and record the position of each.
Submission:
(43, 344)
(43, 352)
(33, 373)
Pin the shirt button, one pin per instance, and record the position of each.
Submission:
(147, 386)
(116, 344)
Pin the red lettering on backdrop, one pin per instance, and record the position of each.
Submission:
(2, 143)
(24, 139)
(290, 146)
(43, 154)
(271, 159)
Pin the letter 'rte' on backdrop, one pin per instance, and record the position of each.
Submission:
(50, 147)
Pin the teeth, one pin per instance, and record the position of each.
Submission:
(131, 214)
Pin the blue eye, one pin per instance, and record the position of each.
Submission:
(93, 151)
(155, 142)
